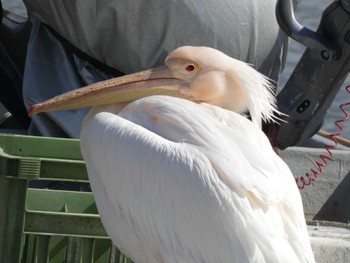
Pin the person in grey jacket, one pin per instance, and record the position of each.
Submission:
(76, 43)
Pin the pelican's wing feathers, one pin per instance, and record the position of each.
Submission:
(177, 180)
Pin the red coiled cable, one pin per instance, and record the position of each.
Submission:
(301, 181)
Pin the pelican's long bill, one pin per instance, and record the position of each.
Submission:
(157, 81)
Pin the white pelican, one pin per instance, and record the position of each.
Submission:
(189, 179)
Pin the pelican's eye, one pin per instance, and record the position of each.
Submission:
(190, 68)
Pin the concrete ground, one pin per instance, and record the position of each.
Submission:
(330, 244)
(326, 202)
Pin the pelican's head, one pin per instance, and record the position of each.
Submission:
(200, 74)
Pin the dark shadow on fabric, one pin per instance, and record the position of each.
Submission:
(13, 48)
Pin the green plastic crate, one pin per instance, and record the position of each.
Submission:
(41, 225)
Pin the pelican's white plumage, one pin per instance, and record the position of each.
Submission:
(180, 181)
(192, 183)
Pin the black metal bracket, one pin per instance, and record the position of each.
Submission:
(318, 76)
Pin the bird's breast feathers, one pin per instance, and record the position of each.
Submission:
(170, 162)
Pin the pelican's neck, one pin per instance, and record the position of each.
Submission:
(114, 108)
